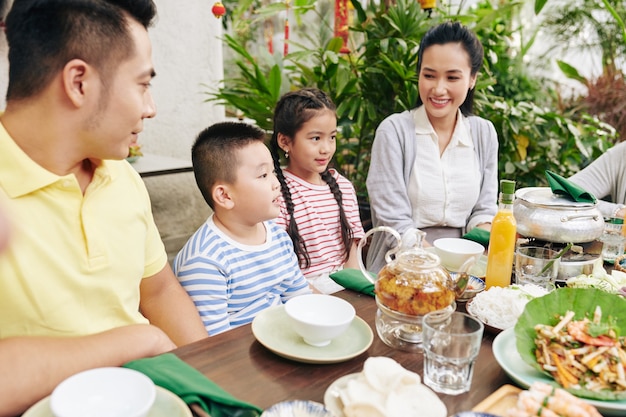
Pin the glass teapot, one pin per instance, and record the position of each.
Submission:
(411, 284)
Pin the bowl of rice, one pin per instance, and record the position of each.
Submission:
(498, 308)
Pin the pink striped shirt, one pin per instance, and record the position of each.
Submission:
(317, 215)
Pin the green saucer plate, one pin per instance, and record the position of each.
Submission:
(166, 404)
(272, 329)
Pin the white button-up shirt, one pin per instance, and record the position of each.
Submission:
(444, 188)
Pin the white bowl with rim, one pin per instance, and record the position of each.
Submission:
(319, 318)
(104, 392)
(454, 252)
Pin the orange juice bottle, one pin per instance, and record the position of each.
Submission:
(502, 239)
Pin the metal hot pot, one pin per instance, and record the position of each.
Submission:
(543, 215)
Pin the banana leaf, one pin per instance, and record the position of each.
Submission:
(548, 309)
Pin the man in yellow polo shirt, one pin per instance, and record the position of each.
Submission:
(84, 281)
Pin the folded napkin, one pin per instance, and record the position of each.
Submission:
(173, 374)
(565, 187)
(478, 235)
(353, 279)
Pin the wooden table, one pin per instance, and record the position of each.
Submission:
(246, 369)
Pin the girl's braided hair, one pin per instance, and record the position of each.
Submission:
(292, 111)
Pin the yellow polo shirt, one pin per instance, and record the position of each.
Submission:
(74, 262)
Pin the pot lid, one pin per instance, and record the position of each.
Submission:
(545, 197)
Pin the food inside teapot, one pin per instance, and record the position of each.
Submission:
(415, 284)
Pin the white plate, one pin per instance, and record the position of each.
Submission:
(332, 402)
(166, 404)
(272, 329)
(505, 352)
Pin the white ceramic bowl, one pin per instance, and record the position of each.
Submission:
(319, 318)
(104, 392)
(454, 252)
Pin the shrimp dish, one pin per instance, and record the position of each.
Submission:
(544, 400)
(583, 354)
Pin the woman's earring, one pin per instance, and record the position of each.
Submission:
(286, 154)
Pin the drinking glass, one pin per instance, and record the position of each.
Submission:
(536, 265)
(451, 343)
(612, 239)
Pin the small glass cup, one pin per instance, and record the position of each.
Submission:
(536, 265)
(613, 241)
(451, 344)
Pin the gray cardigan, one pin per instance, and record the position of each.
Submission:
(393, 155)
(606, 178)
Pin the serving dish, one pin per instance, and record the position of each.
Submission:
(299, 408)
(166, 404)
(272, 329)
(547, 310)
(474, 286)
(505, 352)
(332, 401)
(488, 327)
(542, 214)
(500, 401)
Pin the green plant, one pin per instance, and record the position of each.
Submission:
(581, 27)
(535, 133)
(379, 78)
(255, 91)
(385, 67)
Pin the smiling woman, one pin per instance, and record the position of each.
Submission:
(435, 167)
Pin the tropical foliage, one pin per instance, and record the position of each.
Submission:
(379, 78)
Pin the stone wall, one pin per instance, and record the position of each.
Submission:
(178, 208)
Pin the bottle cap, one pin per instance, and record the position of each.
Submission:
(507, 187)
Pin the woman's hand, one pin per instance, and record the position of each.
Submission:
(486, 226)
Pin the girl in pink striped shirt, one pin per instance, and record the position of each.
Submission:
(319, 207)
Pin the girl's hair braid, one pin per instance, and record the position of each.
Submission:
(346, 231)
(299, 245)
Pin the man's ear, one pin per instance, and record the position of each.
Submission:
(79, 79)
(221, 196)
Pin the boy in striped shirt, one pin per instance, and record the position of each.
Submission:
(239, 262)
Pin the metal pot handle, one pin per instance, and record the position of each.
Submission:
(579, 216)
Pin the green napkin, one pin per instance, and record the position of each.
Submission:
(353, 279)
(478, 235)
(562, 186)
(173, 374)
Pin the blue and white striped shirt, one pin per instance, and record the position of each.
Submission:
(230, 283)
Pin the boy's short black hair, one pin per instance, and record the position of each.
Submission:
(214, 153)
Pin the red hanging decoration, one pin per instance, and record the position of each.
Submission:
(341, 23)
(218, 9)
(286, 45)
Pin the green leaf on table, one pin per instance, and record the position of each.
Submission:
(548, 310)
